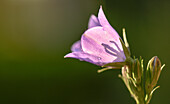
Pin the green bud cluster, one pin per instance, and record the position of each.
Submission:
(132, 75)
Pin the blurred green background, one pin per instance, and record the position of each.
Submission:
(36, 34)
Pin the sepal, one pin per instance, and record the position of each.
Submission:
(125, 49)
(115, 64)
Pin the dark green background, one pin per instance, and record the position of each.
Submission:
(36, 34)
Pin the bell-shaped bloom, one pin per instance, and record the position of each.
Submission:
(99, 44)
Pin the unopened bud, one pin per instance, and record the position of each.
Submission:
(137, 71)
(152, 74)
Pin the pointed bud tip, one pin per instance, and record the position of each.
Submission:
(155, 61)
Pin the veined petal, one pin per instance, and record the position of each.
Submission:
(76, 47)
(86, 57)
(107, 27)
(93, 21)
(96, 41)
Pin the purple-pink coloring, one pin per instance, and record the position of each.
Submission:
(99, 44)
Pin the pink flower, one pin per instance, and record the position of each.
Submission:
(99, 44)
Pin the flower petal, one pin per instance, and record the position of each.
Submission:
(96, 41)
(104, 22)
(102, 18)
(85, 57)
(76, 47)
(93, 21)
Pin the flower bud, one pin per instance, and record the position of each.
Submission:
(152, 74)
(137, 72)
(129, 82)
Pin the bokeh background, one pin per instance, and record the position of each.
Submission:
(36, 34)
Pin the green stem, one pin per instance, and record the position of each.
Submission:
(140, 101)
(140, 98)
